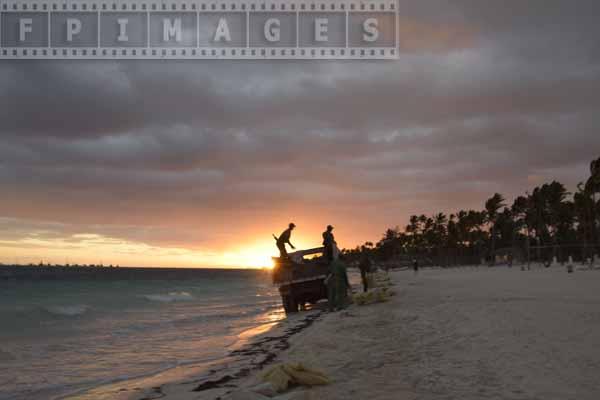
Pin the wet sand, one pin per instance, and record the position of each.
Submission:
(255, 349)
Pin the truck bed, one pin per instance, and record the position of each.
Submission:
(289, 273)
(298, 268)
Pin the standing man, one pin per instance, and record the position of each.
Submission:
(283, 239)
(328, 244)
(365, 269)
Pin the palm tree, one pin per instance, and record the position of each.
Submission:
(478, 234)
(413, 230)
(505, 228)
(593, 183)
(583, 205)
(492, 206)
(545, 216)
(539, 216)
(429, 235)
(452, 236)
(523, 218)
(559, 211)
(462, 227)
(592, 187)
(388, 246)
(440, 222)
(586, 208)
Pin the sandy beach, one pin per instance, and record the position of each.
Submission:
(464, 333)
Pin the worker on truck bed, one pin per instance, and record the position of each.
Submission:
(283, 239)
(328, 244)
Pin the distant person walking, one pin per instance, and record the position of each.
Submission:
(365, 268)
(328, 244)
(416, 265)
(284, 239)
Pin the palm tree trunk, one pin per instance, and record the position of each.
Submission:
(512, 241)
(528, 248)
(493, 258)
(595, 236)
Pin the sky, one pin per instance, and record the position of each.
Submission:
(197, 163)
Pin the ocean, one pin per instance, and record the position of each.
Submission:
(65, 333)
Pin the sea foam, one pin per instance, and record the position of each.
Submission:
(68, 311)
(169, 298)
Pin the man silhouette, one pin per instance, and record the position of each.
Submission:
(328, 244)
(283, 239)
(365, 268)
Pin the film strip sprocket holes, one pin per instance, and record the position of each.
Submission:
(176, 29)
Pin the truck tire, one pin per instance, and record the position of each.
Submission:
(289, 304)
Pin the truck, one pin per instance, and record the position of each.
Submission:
(301, 278)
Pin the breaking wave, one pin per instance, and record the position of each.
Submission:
(169, 298)
(68, 311)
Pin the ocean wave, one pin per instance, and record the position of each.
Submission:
(68, 311)
(169, 298)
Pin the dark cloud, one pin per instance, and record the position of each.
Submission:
(485, 97)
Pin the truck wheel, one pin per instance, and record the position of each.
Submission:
(289, 304)
(285, 300)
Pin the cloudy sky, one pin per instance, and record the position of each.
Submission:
(196, 163)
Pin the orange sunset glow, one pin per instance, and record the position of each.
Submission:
(198, 164)
(88, 248)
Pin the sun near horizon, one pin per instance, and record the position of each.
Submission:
(94, 249)
(107, 252)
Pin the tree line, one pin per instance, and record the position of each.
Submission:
(544, 223)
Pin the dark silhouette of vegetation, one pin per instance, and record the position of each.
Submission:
(67, 265)
(548, 222)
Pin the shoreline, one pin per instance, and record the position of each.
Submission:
(255, 348)
(286, 341)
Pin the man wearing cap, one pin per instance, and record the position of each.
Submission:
(283, 239)
(328, 244)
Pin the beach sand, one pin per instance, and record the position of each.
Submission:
(462, 333)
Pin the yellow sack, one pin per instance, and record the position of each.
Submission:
(381, 296)
(282, 375)
(363, 298)
(277, 377)
(377, 295)
(381, 279)
(304, 376)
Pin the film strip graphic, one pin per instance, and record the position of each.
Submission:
(196, 29)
